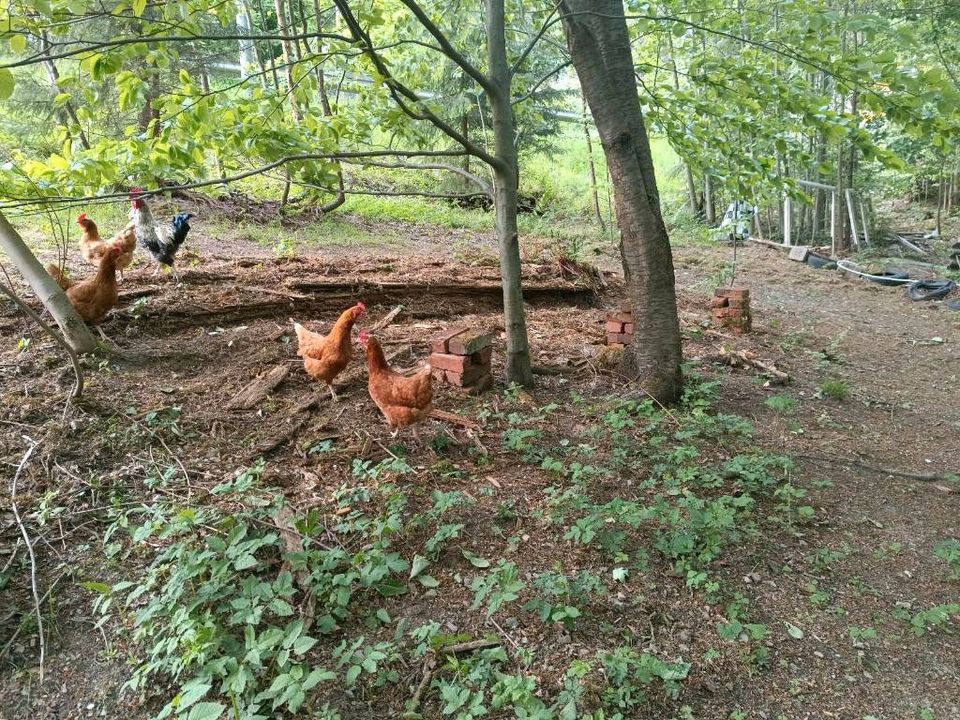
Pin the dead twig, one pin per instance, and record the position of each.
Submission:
(450, 417)
(26, 539)
(738, 358)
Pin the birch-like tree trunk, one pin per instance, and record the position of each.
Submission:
(75, 331)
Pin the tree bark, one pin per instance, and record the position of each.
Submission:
(505, 196)
(600, 49)
(75, 331)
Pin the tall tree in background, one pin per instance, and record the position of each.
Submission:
(600, 48)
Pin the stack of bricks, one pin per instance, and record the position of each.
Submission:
(620, 327)
(461, 357)
(731, 309)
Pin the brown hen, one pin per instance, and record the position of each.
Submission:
(325, 356)
(404, 400)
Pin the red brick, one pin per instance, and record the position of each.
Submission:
(727, 312)
(719, 302)
(613, 326)
(628, 328)
(466, 378)
(738, 302)
(732, 293)
(468, 342)
(445, 361)
(621, 338)
(440, 343)
(481, 358)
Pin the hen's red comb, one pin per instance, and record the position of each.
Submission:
(362, 306)
(81, 217)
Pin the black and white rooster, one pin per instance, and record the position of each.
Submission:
(161, 240)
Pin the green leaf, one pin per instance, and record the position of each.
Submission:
(388, 588)
(475, 560)
(190, 695)
(318, 675)
(620, 574)
(420, 564)
(245, 562)
(794, 631)
(139, 6)
(206, 711)
(428, 581)
(7, 83)
(99, 587)
(18, 43)
(303, 644)
(352, 674)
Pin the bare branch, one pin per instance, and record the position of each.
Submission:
(147, 39)
(29, 312)
(478, 181)
(448, 49)
(536, 86)
(547, 24)
(23, 202)
(402, 94)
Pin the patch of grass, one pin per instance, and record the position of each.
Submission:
(783, 404)
(835, 389)
(949, 551)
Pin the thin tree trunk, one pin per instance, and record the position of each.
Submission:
(75, 331)
(593, 170)
(940, 200)
(710, 213)
(70, 120)
(284, 30)
(688, 172)
(505, 196)
(600, 49)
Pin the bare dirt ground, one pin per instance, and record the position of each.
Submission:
(867, 554)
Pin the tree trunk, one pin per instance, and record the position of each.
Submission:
(710, 214)
(75, 331)
(593, 169)
(284, 30)
(600, 49)
(505, 196)
(247, 48)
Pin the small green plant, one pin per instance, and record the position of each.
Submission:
(835, 389)
(923, 621)
(949, 551)
(783, 404)
(499, 586)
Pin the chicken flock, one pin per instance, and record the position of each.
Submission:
(403, 400)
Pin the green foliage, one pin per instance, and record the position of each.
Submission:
(949, 551)
(835, 389)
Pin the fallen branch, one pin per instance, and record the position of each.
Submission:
(555, 370)
(28, 311)
(33, 559)
(430, 664)
(386, 319)
(455, 419)
(740, 358)
(300, 417)
(262, 385)
(921, 477)
(271, 291)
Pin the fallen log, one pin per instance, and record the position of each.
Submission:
(742, 358)
(262, 385)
